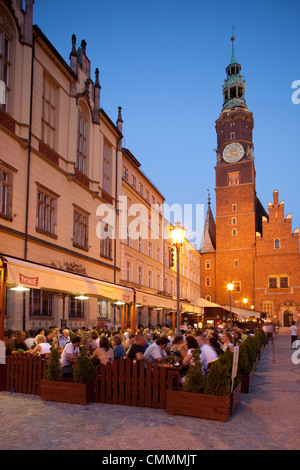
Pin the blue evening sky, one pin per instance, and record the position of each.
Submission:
(164, 62)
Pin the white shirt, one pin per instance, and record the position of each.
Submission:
(30, 342)
(208, 354)
(293, 330)
(45, 348)
(68, 349)
(154, 352)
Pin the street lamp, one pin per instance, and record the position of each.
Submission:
(230, 287)
(177, 236)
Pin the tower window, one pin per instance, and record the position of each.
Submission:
(232, 92)
(232, 135)
(207, 281)
(236, 263)
(233, 207)
(207, 264)
(234, 232)
(276, 243)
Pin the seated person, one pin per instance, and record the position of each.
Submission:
(191, 344)
(69, 355)
(136, 350)
(156, 352)
(178, 345)
(104, 354)
(118, 349)
(64, 339)
(17, 343)
(42, 348)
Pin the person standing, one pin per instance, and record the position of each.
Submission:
(294, 333)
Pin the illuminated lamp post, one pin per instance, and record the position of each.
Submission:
(177, 237)
(230, 287)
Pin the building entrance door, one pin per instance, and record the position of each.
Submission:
(287, 318)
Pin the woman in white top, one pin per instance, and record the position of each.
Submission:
(191, 344)
(42, 348)
(226, 340)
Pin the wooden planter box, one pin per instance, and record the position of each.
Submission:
(202, 406)
(260, 352)
(246, 382)
(67, 392)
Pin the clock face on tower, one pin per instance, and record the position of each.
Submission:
(233, 152)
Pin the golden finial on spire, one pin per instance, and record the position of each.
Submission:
(232, 37)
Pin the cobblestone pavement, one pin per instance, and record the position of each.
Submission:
(266, 419)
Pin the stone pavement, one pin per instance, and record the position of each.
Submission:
(266, 419)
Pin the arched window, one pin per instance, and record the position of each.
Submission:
(6, 60)
(277, 243)
(207, 281)
(207, 264)
(82, 139)
(208, 297)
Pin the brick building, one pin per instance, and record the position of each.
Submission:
(256, 251)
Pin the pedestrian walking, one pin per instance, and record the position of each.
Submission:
(294, 334)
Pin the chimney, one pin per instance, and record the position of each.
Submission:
(27, 33)
(120, 120)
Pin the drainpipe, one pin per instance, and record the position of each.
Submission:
(116, 211)
(29, 150)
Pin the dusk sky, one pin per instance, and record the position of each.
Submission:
(164, 63)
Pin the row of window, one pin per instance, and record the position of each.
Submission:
(42, 304)
(46, 216)
(139, 186)
(49, 132)
(49, 118)
(274, 282)
(169, 285)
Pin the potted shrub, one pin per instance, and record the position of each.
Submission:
(208, 397)
(245, 369)
(77, 390)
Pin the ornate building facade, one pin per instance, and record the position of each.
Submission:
(61, 171)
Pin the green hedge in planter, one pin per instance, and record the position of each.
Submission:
(218, 378)
(194, 376)
(54, 372)
(217, 381)
(84, 370)
(244, 366)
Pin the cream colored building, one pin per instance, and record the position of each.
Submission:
(62, 170)
(146, 253)
(60, 160)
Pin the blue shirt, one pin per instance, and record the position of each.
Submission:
(63, 341)
(119, 351)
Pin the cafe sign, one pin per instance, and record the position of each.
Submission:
(28, 281)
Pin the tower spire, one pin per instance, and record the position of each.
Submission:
(234, 86)
(233, 59)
